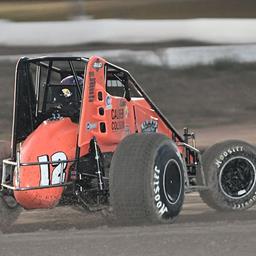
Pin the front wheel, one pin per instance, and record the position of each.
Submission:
(230, 172)
(146, 180)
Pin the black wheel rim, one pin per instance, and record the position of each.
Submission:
(237, 177)
(172, 181)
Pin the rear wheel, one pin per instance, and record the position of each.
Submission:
(230, 171)
(146, 180)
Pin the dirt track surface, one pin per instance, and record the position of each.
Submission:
(198, 231)
(176, 240)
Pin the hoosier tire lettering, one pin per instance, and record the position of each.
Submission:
(159, 204)
(226, 153)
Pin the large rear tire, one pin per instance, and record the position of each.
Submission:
(230, 172)
(146, 180)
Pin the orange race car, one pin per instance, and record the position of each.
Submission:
(86, 133)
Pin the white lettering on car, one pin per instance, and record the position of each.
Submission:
(226, 153)
(58, 173)
(159, 204)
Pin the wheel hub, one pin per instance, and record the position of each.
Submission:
(237, 177)
(172, 181)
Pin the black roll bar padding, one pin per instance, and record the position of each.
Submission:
(19, 65)
(75, 76)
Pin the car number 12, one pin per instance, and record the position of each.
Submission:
(58, 173)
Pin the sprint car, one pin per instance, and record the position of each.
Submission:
(85, 132)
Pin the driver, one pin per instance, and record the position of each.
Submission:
(67, 98)
(69, 81)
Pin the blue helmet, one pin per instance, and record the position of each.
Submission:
(70, 80)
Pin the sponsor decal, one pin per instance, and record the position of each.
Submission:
(97, 65)
(117, 116)
(91, 126)
(161, 207)
(92, 84)
(122, 103)
(226, 153)
(117, 113)
(117, 125)
(108, 102)
(149, 126)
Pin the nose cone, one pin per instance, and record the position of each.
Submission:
(51, 141)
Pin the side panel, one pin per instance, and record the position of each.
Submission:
(92, 101)
(111, 118)
(147, 119)
(108, 118)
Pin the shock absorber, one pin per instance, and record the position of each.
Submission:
(99, 168)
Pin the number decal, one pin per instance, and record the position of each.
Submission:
(44, 169)
(58, 173)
